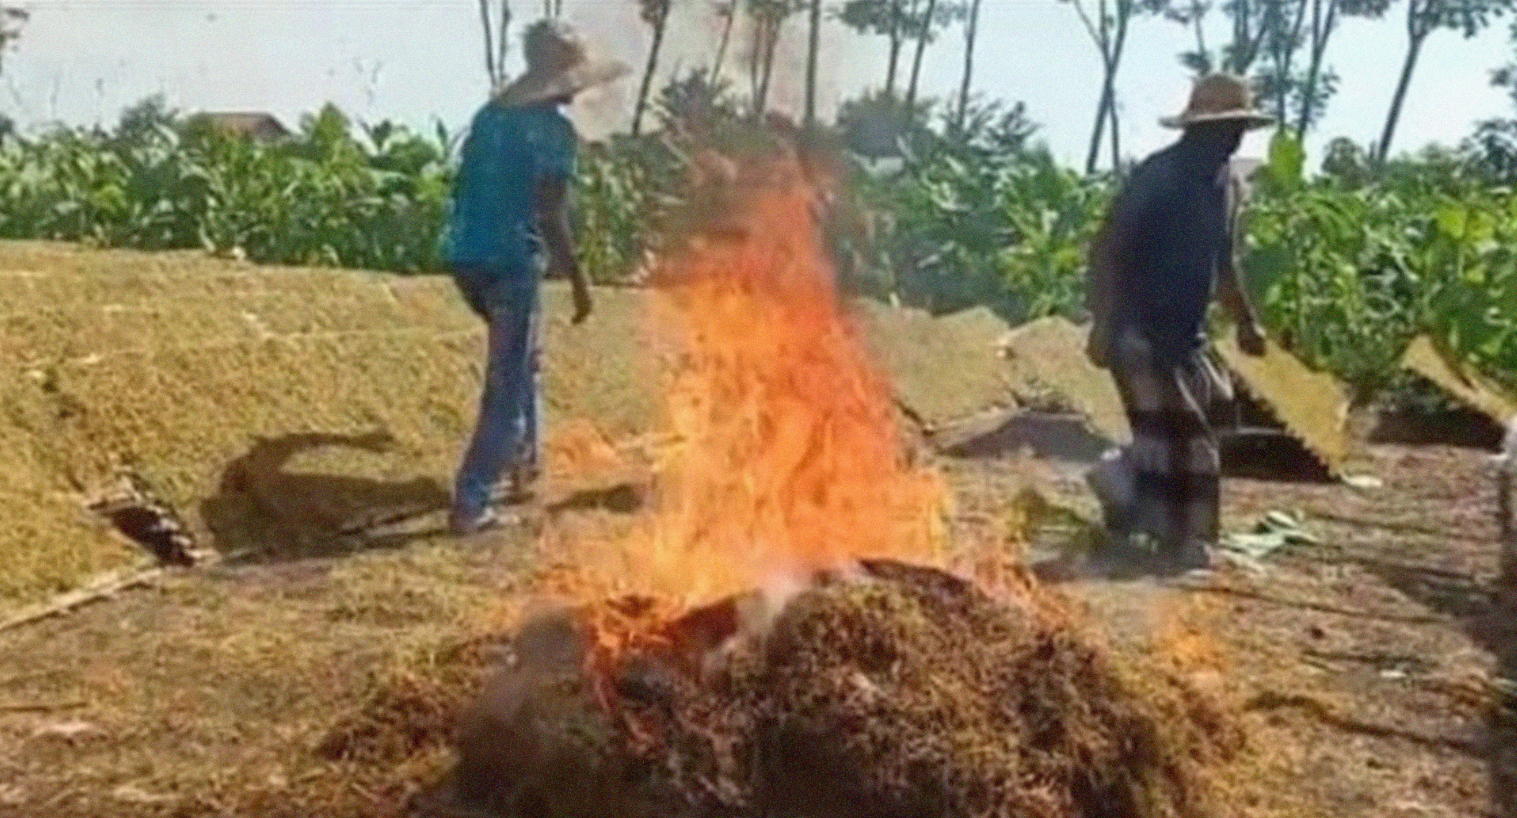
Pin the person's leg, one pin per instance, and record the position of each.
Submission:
(528, 458)
(1110, 480)
(1144, 386)
(522, 462)
(1195, 472)
(472, 281)
(499, 430)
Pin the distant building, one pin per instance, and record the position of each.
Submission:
(260, 126)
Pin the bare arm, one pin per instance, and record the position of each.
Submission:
(1105, 273)
(1102, 276)
(1233, 297)
(553, 222)
(1230, 290)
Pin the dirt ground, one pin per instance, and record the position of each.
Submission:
(1359, 664)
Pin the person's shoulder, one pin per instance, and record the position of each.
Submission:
(1156, 169)
(559, 122)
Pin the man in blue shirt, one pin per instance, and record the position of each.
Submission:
(510, 205)
(1166, 248)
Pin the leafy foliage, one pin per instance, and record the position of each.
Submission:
(1347, 275)
(1346, 267)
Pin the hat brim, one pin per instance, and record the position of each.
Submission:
(530, 87)
(1252, 119)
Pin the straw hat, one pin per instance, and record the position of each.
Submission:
(1220, 98)
(558, 65)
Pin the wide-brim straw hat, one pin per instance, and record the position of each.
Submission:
(558, 65)
(1220, 98)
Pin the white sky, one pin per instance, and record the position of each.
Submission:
(81, 61)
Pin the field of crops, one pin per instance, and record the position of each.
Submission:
(1348, 265)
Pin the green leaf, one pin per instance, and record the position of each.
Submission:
(1287, 161)
(1452, 221)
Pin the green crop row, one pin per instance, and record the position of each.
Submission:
(1346, 266)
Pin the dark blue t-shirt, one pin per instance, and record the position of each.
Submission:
(1172, 232)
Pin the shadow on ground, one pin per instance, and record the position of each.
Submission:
(1063, 437)
(1501, 635)
(1258, 451)
(1490, 617)
(1464, 428)
(263, 512)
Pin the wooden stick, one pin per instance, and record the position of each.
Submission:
(106, 586)
(42, 707)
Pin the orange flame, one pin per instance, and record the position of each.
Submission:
(788, 458)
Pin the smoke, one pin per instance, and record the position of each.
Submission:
(617, 31)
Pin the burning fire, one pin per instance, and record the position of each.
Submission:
(789, 460)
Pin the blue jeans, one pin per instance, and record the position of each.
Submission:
(506, 432)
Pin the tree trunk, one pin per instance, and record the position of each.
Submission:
(1246, 41)
(971, 30)
(916, 61)
(659, 25)
(770, 43)
(721, 47)
(1124, 13)
(813, 47)
(1322, 28)
(1117, 137)
(1383, 150)
(1099, 128)
(897, 39)
(484, 19)
(501, 43)
(1283, 63)
(1116, 134)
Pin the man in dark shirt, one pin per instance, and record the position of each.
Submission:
(1165, 249)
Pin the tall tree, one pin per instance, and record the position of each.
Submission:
(495, 41)
(971, 31)
(886, 18)
(923, 36)
(1283, 26)
(1324, 21)
(656, 14)
(1247, 24)
(728, 12)
(900, 21)
(936, 16)
(1319, 82)
(12, 18)
(1423, 17)
(813, 49)
(900, 14)
(1108, 24)
(769, 18)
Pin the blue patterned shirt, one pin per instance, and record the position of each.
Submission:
(509, 151)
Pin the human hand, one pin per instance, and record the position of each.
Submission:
(1098, 348)
(1251, 339)
(581, 304)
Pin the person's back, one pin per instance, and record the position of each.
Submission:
(509, 152)
(1178, 235)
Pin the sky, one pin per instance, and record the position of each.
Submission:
(416, 61)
